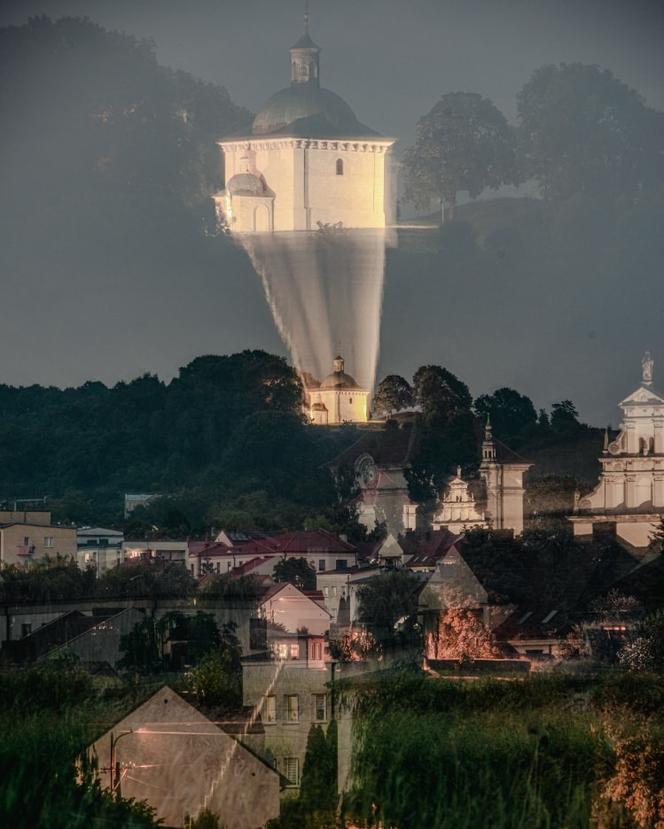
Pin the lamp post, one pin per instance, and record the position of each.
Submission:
(115, 773)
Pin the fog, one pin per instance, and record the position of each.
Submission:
(81, 300)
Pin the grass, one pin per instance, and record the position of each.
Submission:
(540, 753)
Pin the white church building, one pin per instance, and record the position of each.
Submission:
(308, 162)
(337, 399)
(630, 491)
(500, 506)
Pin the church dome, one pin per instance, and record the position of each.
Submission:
(246, 184)
(308, 110)
(339, 379)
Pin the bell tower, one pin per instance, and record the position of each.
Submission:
(305, 57)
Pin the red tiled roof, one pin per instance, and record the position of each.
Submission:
(311, 541)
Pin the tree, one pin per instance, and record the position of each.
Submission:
(463, 143)
(217, 679)
(297, 571)
(141, 648)
(511, 413)
(564, 417)
(644, 650)
(440, 393)
(584, 131)
(394, 393)
(388, 607)
(462, 635)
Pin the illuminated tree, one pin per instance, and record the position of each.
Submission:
(462, 635)
(394, 393)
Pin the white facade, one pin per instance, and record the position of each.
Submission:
(630, 492)
(308, 163)
(338, 399)
(502, 472)
(458, 510)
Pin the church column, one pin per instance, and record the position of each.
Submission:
(631, 499)
(632, 438)
(659, 436)
(658, 490)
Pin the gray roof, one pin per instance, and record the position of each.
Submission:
(309, 111)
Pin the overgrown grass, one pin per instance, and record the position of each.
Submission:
(537, 753)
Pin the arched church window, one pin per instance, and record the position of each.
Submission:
(340, 167)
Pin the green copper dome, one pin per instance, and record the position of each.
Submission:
(309, 111)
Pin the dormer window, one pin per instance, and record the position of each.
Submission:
(340, 167)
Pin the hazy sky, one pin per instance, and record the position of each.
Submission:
(391, 60)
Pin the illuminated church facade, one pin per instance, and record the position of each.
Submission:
(308, 162)
(630, 493)
(337, 399)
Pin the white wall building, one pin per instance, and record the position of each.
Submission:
(630, 491)
(337, 399)
(458, 510)
(307, 163)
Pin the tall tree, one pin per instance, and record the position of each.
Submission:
(463, 143)
(393, 394)
(582, 130)
(440, 393)
(510, 412)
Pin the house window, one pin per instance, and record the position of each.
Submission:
(294, 651)
(326, 592)
(291, 768)
(292, 708)
(321, 565)
(270, 709)
(282, 650)
(49, 541)
(342, 563)
(320, 707)
(334, 590)
(350, 400)
(26, 629)
(340, 167)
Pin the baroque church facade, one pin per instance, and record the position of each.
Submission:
(308, 162)
(499, 503)
(630, 493)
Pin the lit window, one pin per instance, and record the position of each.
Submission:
(292, 708)
(282, 650)
(340, 167)
(294, 651)
(320, 707)
(291, 768)
(270, 709)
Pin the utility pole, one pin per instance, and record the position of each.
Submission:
(114, 768)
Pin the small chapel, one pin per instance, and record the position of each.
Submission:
(630, 493)
(308, 163)
(337, 399)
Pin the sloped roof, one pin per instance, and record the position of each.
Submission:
(427, 548)
(310, 541)
(387, 447)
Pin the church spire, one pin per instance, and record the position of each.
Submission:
(305, 57)
(488, 445)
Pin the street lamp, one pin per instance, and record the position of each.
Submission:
(115, 772)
